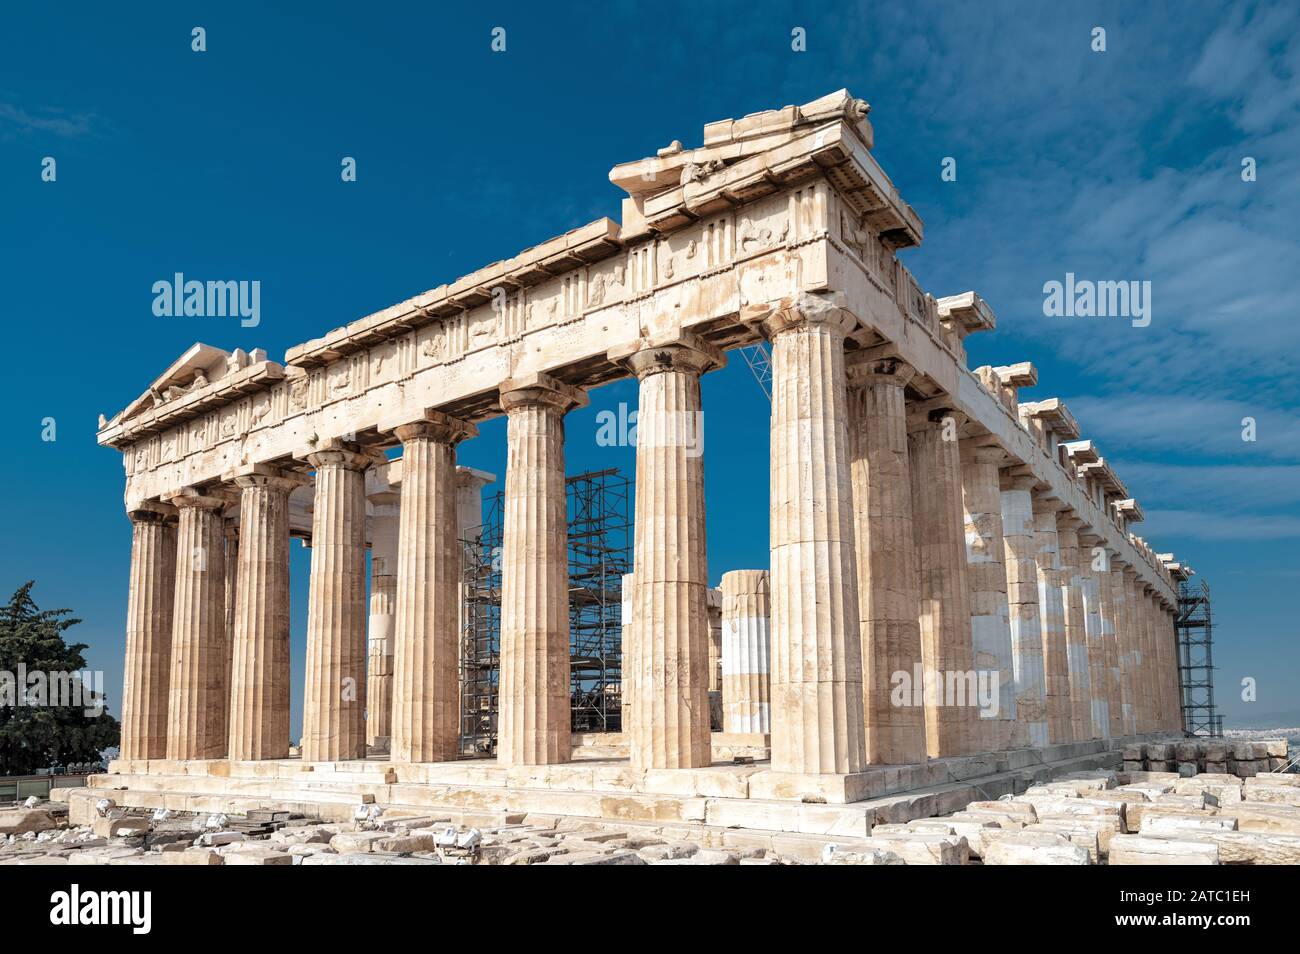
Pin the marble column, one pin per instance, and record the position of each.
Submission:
(986, 570)
(198, 696)
(817, 713)
(259, 685)
(1110, 643)
(149, 633)
(1166, 621)
(951, 725)
(746, 651)
(333, 726)
(888, 604)
(1123, 644)
(1021, 550)
(1092, 565)
(533, 722)
(1052, 614)
(1155, 661)
(426, 652)
(382, 622)
(1076, 633)
(670, 569)
(231, 561)
(1141, 651)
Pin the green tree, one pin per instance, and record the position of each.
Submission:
(33, 736)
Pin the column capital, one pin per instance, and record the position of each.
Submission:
(1069, 520)
(798, 311)
(1009, 479)
(152, 511)
(435, 426)
(332, 450)
(265, 475)
(192, 498)
(1044, 502)
(537, 387)
(867, 368)
(982, 453)
(677, 351)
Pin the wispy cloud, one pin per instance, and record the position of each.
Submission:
(62, 123)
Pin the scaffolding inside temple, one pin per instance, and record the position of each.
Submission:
(1196, 659)
(600, 553)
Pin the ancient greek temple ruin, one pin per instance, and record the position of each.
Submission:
(931, 532)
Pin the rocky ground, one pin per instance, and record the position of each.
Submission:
(1098, 817)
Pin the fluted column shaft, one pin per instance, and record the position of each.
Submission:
(426, 656)
(986, 570)
(1022, 593)
(888, 605)
(817, 711)
(1051, 604)
(196, 715)
(533, 726)
(746, 651)
(939, 529)
(148, 635)
(1076, 632)
(1110, 643)
(382, 622)
(259, 688)
(1123, 645)
(1141, 652)
(670, 568)
(335, 699)
(1092, 567)
(1155, 662)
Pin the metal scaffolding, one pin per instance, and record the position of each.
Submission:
(600, 553)
(1196, 659)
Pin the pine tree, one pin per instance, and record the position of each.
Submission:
(34, 736)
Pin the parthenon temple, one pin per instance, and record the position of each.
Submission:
(931, 534)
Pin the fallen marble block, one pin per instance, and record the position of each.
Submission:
(1143, 850)
(1034, 848)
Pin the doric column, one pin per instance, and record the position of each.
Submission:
(746, 658)
(1155, 661)
(196, 714)
(149, 633)
(534, 712)
(426, 654)
(1076, 631)
(951, 725)
(382, 620)
(986, 570)
(888, 604)
(1123, 644)
(1021, 548)
(1166, 623)
(333, 723)
(231, 536)
(259, 683)
(1092, 566)
(671, 661)
(1051, 605)
(817, 696)
(1141, 651)
(1110, 642)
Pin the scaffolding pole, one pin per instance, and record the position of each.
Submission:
(1196, 659)
(599, 553)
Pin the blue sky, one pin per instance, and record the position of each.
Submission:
(1123, 164)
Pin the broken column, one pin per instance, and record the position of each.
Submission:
(746, 655)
